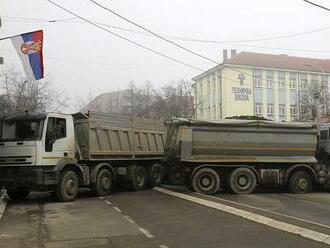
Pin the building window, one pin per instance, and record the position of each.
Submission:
(293, 110)
(258, 109)
(270, 79)
(293, 80)
(281, 79)
(257, 76)
(270, 109)
(293, 84)
(282, 109)
(324, 82)
(314, 80)
(303, 82)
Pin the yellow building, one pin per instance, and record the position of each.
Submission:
(258, 84)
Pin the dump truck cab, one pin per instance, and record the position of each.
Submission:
(31, 146)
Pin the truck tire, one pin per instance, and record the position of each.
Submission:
(206, 181)
(103, 184)
(139, 178)
(67, 187)
(18, 193)
(156, 175)
(176, 175)
(300, 182)
(242, 181)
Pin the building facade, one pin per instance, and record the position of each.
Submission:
(267, 85)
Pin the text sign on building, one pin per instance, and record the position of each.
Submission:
(241, 94)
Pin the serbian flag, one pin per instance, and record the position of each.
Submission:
(29, 49)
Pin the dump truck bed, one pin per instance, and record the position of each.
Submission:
(241, 141)
(103, 136)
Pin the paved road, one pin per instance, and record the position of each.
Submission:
(136, 219)
(314, 207)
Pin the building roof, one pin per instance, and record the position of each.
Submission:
(280, 61)
(276, 61)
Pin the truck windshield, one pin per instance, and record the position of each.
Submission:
(21, 130)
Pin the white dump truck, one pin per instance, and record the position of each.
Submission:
(61, 152)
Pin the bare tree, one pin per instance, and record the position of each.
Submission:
(19, 94)
(174, 100)
(313, 97)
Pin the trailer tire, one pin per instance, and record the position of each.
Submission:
(176, 175)
(67, 187)
(139, 178)
(18, 193)
(104, 183)
(156, 174)
(242, 181)
(300, 182)
(206, 181)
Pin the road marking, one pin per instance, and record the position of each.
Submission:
(163, 246)
(101, 197)
(146, 233)
(304, 232)
(3, 203)
(117, 209)
(107, 202)
(129, 219)
(264, 210)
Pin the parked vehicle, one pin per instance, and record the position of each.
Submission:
(241, 154)
(61, 152)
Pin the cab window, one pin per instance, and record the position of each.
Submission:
(324, 134)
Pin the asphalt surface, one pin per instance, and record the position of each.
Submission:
(314, 207)
(140, 219)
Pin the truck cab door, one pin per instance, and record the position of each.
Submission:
(58, 143)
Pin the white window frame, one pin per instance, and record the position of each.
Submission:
(293, 110)
(270, 109)
(258, 109)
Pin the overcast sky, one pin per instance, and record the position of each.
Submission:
(82, 60)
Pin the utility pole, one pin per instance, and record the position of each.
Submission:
(1, 58)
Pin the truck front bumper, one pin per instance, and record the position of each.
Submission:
(30, 177)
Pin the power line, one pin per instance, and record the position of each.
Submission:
(172, 37)
(317, 5)
(154, 34)
(124, 38)
(173, 43)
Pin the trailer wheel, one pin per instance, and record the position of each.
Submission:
(156, 174)
(243, 181)
(206, 181)
(140, 178)
(176, 175)
(103, 184)
(300, 182)
(18, 193)
(67, 188)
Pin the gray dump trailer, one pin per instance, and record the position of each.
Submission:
(60, 152)
(242, 154)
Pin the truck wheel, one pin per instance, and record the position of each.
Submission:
(206, 181)
(176, 175)
(300, 182)
(103, 184)
(18, 193)
(140, 178)
(243, 181)
(156, 174)
(67, 188)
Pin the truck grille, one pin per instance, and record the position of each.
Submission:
(15, 160)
